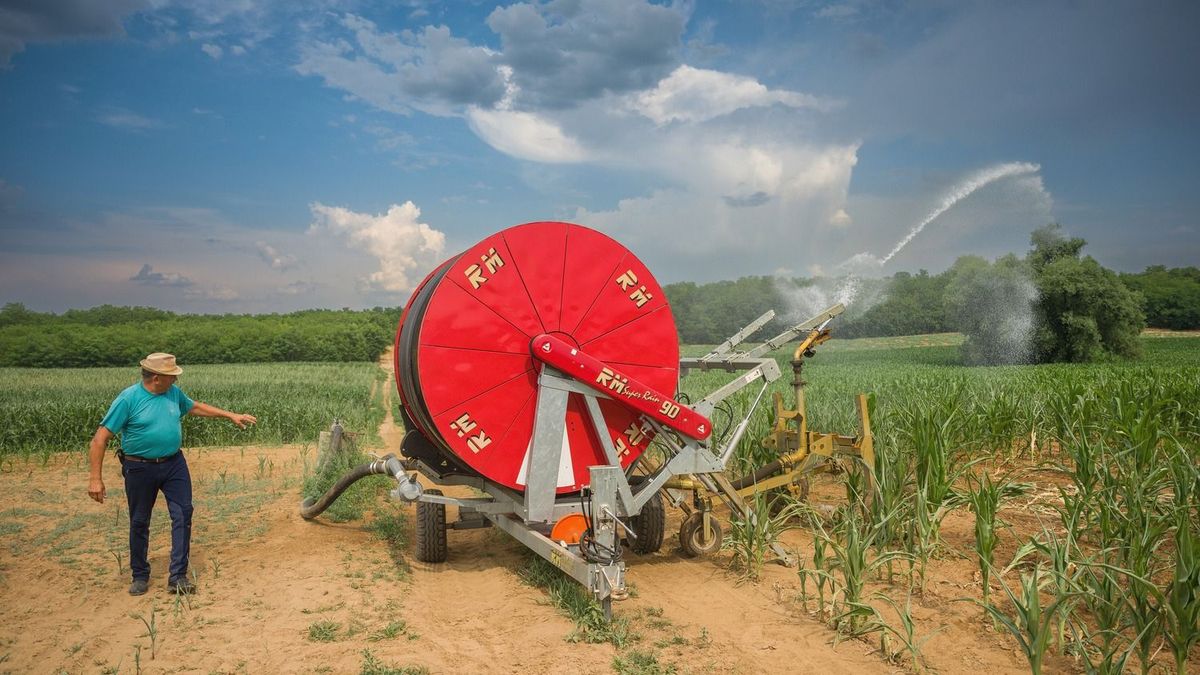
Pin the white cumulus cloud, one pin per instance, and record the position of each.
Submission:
(405, 247)
(692, 95)
(526, 136)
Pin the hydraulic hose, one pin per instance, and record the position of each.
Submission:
(387, 466)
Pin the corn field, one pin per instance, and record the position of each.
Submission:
(50, 410)
(1112, 580)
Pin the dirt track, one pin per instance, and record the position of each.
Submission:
(267, 577)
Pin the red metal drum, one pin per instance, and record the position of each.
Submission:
(466, 376)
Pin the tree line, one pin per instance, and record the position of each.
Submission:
(121, 336)
(1054, 304)
(1061, 303)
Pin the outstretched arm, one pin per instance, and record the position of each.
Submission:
(96, 460)
(206, 410)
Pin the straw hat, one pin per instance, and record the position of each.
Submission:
(163, 364)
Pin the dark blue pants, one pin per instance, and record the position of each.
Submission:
(143, 481)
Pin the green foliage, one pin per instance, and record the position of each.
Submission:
(121, 336)
(1083, 310)
(709, 313)
(1171, 297)
(910, 304)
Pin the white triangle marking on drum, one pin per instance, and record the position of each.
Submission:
(566, 468)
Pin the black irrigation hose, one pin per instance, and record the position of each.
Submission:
(311, 508)
(765, 472)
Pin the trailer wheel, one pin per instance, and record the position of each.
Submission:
(692, 538)
(431, 531)
(649, 526)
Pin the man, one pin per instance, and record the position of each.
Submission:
(147, 415)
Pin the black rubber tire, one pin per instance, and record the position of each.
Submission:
(650, 526)
(691, 536)
(431, 531)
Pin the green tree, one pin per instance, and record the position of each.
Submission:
(1083, 309)
(1172, 296)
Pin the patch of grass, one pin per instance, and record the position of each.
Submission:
(323, 631)
(388, 632)
(355, 501)
(638, 662)
(577, 604)
(373, 666)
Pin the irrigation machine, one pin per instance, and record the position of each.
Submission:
(538, 367)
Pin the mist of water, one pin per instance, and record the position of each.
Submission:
(850, 284)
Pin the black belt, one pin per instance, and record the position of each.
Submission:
(147, 460)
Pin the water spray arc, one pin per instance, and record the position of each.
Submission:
(846, 285)
(961, 192)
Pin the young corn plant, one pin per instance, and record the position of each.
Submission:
(851, 557)
(984, 499)
(1101, 594)
(1108, 662)
(1031, 624)
(907, 632)
(1181, 606)
(924, 527)
(751, 537)
(1060, 554)
(820, 558)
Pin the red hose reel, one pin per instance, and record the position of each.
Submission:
(468, 380)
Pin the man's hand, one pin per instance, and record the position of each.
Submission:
(242, 419)
(96, 489)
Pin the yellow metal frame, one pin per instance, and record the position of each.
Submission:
(791, 439)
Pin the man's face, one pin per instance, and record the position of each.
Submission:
(159, 384)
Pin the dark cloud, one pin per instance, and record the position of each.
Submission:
(564, 52)
(1067, 68)
(148, 277)
(429, 70)
(24, 21)
(552, 56)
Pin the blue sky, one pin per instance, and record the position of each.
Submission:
(260, 155)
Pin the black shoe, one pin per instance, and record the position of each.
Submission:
(139, 587)
(181, 587)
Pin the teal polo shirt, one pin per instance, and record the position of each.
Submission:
(148, 423)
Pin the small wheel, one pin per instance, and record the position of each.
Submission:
(431, 531)
(692, 537)
(781, 498)
(649, 526)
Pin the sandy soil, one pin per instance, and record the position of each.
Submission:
(266, 578)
